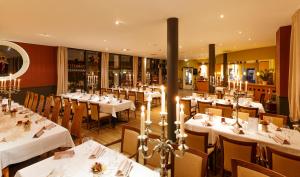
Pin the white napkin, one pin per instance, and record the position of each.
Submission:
(124, 168)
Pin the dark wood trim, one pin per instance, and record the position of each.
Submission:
(204, 134)
(271, 151)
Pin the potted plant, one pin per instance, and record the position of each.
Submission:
(266, 76)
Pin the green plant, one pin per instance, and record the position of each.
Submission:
(266, 75)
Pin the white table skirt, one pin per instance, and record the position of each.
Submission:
(21, 145)
(112, 107)
(260, 137)
(80, 164)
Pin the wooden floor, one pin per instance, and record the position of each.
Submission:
(107, 134)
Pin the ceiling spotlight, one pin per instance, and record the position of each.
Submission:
(125, 50)
(44, 35)
(104, 40)
(249, 39)
(222, 16)
(186, 60)
(180, 47)
(106, 49)
(117, 22)
(240, 32)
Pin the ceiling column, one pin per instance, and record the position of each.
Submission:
(211, 65)
(225, 70)
(172, 74)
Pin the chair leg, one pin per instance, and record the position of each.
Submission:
(128, 111)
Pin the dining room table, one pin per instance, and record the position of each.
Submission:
(25, 134)
(148, 92)
(216, 125)
(108, 104)
(82, 162)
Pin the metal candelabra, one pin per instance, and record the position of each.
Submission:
(13, 88)
(238, 94)
(164, 146)
(92, 81)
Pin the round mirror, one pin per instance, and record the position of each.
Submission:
(13, 60)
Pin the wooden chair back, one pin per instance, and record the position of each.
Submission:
(26, 100)
(242, 168)
(35, 102)
(203, 105)
(233, 149)
(116, 93)
(283, 163)
(102, 90)
(85, 108)
(226, 109)
(140, 97)
(30, 100)
(215, 111)
(154, 161)
(187, 106)
(56, 110)
(242, 115)
(47, 107)
(253, 112)
(95, 110)
(182, 167)
(74, 105)
(129, 142)
(109, 91)
(278, 120)
(67, 114)
(41, 104)
(77, 121)
(197, 140)
(123, 92)
(132, 96)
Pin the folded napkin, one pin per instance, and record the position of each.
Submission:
(3, 140)
(40, 120)
(64, 154)
(124, 168)
(279, 139)
(98, 151)
(50, 126)
(24, 112)
(39, 133)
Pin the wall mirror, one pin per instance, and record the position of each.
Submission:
(13, 60)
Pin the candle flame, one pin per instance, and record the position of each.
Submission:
(177, 98)
(143, 108)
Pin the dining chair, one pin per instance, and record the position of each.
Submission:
(41, 104)
(34, 102)
(132, 96)
(26, 100)
(116, 93)
(47, 108)
(76, 124)
(226, 109)
(242, 168)
(122, 94)
(202, 106)
(242, 115)
(192, 164)
(30, 100)
(65, 122)
(234, 149)
(56, 110)
(109, 91)
(215, 111)
(102, 90)
(74, 105)
(253, 112)
(278, 120)
(86, 113)
(188, 109)
(98, 116)
(140, 98)
(213, 96)
(284, 163)
(129, 142)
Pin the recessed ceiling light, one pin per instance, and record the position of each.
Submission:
(240, 32)
(249, 39)
(104, 40)
(117, 22)
(125, 50)
(180, 47)
(222, 16)
(186, 60)
(106, 49)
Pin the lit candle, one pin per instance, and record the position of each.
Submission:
(228, 84)
(4, 84)
(143, 120)
(148, 109)
(15, 83)
(10, 81)
(246, 84)
(181, 120)
(19, 80)
(1, 83)
(240, 85)
(233, 85)
(163, 99)
(177, 109)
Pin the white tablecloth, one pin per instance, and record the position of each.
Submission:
(262, 138)
(20, 145)
(108, 104)
(80, 164)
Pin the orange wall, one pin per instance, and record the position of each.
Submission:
(42, 70)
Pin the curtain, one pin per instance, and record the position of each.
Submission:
(62, 70)
(144, 70)
(294, 69)
(104, 70)
(135, 70)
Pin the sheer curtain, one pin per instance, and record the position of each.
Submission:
(62, 70)
(104, 70)
(294, 70)
(135, 69)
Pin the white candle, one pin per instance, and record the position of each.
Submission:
(240, 85)
(143, 120)
(228, 84)
(19, 80)
(246, 84)
(15, 83)
(233, 85)
(163, 99)
(177, 109)
(1, 83)
(10, 81)
(148, 109)
(4, 84)
(181, 120)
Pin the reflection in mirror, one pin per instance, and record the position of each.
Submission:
(10, 61)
